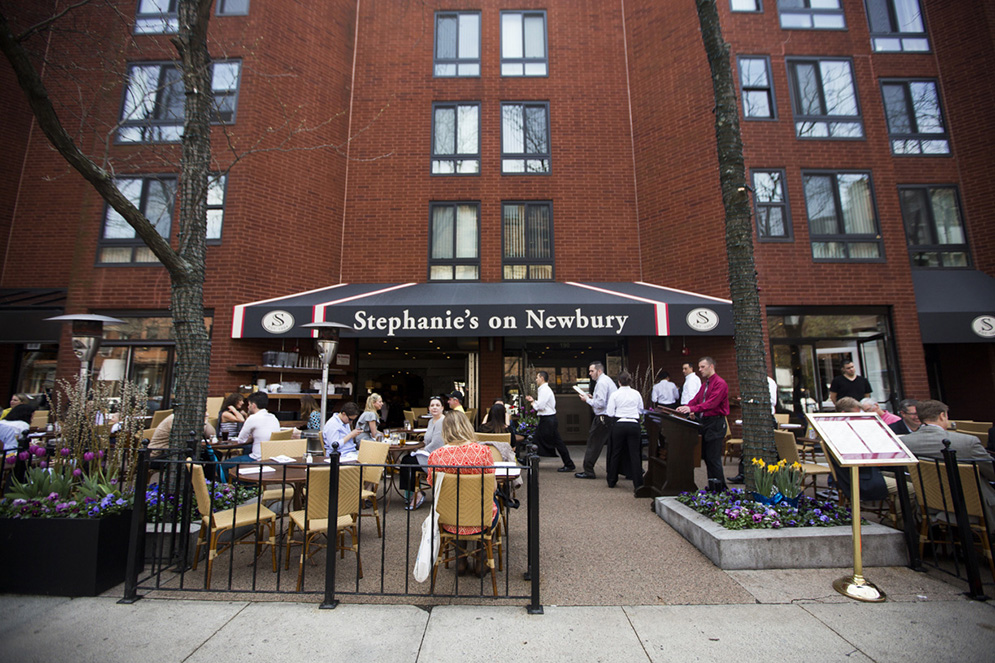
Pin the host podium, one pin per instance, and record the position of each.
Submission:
(674, 452)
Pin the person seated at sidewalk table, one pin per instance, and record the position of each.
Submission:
(230, 416)
(310, 412)
(160, 436)
(460, 449)
(15, 400)
(487, 415)
(433, 440)
(368, 423)
(338, 430)
(496, 421)
(17, 421)
(258, 428)
(871, 405)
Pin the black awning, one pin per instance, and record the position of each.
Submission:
(489, 309)
(955, 305)
(23, 312)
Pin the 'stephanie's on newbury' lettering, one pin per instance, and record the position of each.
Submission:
(536, 319)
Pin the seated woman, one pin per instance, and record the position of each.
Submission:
(496, 422)
(231, 416)
(369, 422)
(15, 400)
(310, 413)
(432, 440)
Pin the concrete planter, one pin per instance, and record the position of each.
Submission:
(789, 548)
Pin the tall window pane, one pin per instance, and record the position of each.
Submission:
(824, 99)
(456, 139)
(457, 44)
(934, 228)
(454, 252)
(155, 198)
(523, 44)
(897, 25)
(754, 80)
(915, 121)
(525, 138)
(771, 203)
(527, 237)
(842, 219)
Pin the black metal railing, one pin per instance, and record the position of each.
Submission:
(954, 519)
(167, 527)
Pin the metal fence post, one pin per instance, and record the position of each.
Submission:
(975, 590)
(330, 601)
(911, 533)
(136, 540)
(534, 607)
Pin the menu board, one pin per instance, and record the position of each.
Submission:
(860, 439)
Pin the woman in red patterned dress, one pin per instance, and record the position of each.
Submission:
(460, 448)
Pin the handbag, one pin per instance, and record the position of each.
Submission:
(428, 550)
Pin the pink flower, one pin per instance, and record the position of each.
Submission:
(77, 472)
(64, 451)
(43, 464)
(100, 453)
(88, 456)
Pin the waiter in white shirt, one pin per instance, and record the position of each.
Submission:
(665, 392)
(692, 383)
(625, 405)
(548, 430)
(597, 436)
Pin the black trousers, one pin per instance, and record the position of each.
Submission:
(625, 447)
(408, 473)
(713, 434)
(548, 438)
(597, 436)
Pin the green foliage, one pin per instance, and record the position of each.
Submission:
(40, 482)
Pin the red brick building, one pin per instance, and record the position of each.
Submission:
(479, 188)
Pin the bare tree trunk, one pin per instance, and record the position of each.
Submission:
(758, 432)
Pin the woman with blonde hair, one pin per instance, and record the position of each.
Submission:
(369, 421)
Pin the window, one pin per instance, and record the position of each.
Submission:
(527, 237)
(457, 44)
(525, 138)
(746, 5)
(811, 14)
(758, 95)
(933, 226)
(156, 17)
(771, 200)
(455, 247)
(456, 139)
(154, 197)
(915, 122)
(897, 25)
(233, 7)
(153, 102)
(215, 206)
(824, 99)
(523, 44)
(841, 218)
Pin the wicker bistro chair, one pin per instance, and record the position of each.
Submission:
(932, 487)
(223, 521)
(283, 492)
(484, 438)
(313, 520)
(788, 450)
(732, 446)
(282, 434)
(158, 416)
(373, 455)
(466, 500)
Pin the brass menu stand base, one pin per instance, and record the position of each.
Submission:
(857, 588)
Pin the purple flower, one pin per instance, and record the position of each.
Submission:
(39, 451)
(43, 464)
(77, 472)
(88, 456)
(53, 496)
(11, 459)
(100, 453)
(64, 451)
(24, 455)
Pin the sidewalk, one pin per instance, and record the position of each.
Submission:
(943, 628)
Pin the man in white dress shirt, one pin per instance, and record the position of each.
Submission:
(665, 392)
(692, 383)
(548, 430)
(626, 406)
(597, 436)
(258, 427)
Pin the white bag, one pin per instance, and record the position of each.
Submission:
(428, 550)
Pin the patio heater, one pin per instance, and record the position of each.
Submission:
(88, 331)
(327, 344)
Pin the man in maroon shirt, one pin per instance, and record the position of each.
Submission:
(711, 407)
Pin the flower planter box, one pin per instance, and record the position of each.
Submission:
(63, 556)
(787, 548)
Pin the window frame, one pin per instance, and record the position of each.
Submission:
(219, 9)
(788, 235)
(456, 156)
(913, 118)
(936, 247)
(796, 97)
(771, 98)
(811, 13)
(529, 261)
(457, 61)
(843, 237)
(758, 4)
(454, 261)
(168, 18)
(897, 34)
(147, 125)
(525, 61)
(213, 177)
(525, 157)
(136, 242)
